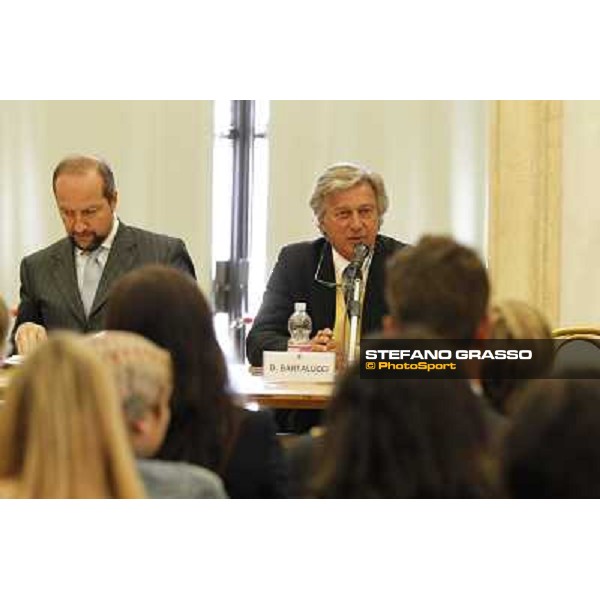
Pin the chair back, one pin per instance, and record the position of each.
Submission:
(576, 347)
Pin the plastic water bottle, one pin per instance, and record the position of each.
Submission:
(299, 326)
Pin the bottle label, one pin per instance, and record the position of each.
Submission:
(299, 346)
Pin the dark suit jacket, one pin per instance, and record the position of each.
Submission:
(49, 292)
(293, 280)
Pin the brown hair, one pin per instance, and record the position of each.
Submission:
(439, 284)
(167, 307)
(552, 449)
(62, 433)
(403, 438)
(80, 164)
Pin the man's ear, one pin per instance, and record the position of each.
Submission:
(484, 329)
(318, 221)
(113, 203)
(163, 407)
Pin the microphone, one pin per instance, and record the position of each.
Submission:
(353, 272)
(354, 269)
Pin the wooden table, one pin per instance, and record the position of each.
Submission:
(253, 388)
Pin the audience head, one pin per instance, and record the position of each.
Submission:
(61, 430)
(166, 306)
(143, 376)
(439, 284)
(403, 438)
(4, 321)
(516, 320)
(552, 449)
(349, 202)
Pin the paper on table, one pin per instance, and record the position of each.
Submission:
(15, 359)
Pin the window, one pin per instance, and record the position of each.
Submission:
(239, 217)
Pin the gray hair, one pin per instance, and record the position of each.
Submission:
(142, 371)
(343, 176)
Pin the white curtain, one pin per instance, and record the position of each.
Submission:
(160, 152)
(432, 155)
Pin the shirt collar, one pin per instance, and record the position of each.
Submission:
(340, 263)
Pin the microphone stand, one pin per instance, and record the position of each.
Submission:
(353, 279)
(353, 308)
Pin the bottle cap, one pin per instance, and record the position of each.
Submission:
(298, 306)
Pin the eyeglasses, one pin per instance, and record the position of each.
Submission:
(328, 284)
(333, 284)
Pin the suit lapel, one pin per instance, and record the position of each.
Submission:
(120, 260)
(65, 278)
(374, 303)
(324, 296)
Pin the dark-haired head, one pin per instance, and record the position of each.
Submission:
(167, 307)
(439, 284)
(552, 449)
(403, 438)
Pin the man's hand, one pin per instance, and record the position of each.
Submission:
(29, 336)
(323, 341)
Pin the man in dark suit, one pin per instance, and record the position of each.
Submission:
(349, 202)
(66, 285)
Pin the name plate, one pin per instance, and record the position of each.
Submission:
(299, 366)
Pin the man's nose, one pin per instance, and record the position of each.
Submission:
(355, 220)
(78, 224)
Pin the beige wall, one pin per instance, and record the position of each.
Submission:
(580, 281)
(160, 152)
(525, 203)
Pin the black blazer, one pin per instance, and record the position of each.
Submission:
(49, 292)
(293, 280)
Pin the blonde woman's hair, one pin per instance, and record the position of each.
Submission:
(62, 433)
(517, 320)
(4, 319)
(343, 176)
(142, 370)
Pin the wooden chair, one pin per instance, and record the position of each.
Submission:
(580, 331)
